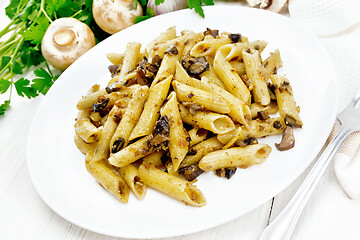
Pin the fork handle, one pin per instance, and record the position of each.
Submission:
(283, 225)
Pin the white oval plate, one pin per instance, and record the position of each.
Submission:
(57, 167)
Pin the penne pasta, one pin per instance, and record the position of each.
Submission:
(178, 144)
(132, 152)
(85, 129)
(83, 146)
(257, 129)
(272, 63)
(256, 72)
(105, 175)
(208, 46)
(129, 119)
(130, 174)
(132, 55)
(157, 95)
(208, 100)
(198, 151)
(102, 147)
(236, 52)
(172, 186)
(239, 111)
(285, 99)
(197, 135)
(242, 157)
(229, 77)
(214, 122)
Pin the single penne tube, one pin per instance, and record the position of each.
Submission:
(286, 102)
(130, 174)
(172, 186)
(199, 150)
(129, 119)
(237, 134)
(210, 73)
(272, 63)
(87, 101)
(257, 129)
(171, 170)
(190, 42)
(214, 122)
(107, 178)
(131, 57)
(102, 147)
(242, 157)
(239, 67)
(258, 109)
(178, 145)
(169, 34)
(168, 63)
(208, 46)
(150, 114)
(83, 146)
(239, 111)
(236, 52)
(256, 72)
(154, 159)
(160, 49)
(197, 135)
(229, 77)
(116, 58)
(132, 152)
(208, 100)
(85, 129)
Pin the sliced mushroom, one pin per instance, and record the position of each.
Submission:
(235, 37)
(226, 172)
(115, 15)
(191, 172)
(195, 66)
(211, 32)
(287, 141)
(273, 5)
(65, 40)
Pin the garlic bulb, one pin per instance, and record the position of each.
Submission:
(167, 6)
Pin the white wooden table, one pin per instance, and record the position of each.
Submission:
(330, 214)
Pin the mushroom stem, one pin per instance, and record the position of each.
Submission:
(64, 36)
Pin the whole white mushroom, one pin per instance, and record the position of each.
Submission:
(65, 40)
(115, 15)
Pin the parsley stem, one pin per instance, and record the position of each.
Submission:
(77, 13)
(10, 63)
(7, 28)
(43, 11)
(4, 48)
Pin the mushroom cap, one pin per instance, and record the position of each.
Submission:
(115, 15)
(65, 40)
(273, 5)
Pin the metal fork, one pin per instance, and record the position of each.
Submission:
(283, 225)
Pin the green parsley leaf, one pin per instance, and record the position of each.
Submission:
(36, 32)
(197, 5)
(44, 81)
(30, 55)
(158, 2)
(143, 2)
(4, 61)
(149, 13)
(23, 87)
(4, 85)
(5, 106)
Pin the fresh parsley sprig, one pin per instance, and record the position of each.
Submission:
(20, 43)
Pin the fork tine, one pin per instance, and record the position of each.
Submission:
(356, 98)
